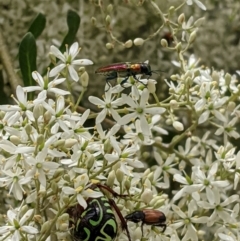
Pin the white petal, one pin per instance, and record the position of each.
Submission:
(56, 70)
(29, 229)
(26, 216)
(203, 117)
(73, 73)
(68, 190)
(73, 51)
(81, 201)
(82, 62)
(101, 116)
(55, 51)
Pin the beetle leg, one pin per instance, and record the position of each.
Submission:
(163, 225)
(123, 221)
(142, 228)
(115, 194)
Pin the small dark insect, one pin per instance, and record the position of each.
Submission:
(149, 217)
(97, 222)
(124, 70)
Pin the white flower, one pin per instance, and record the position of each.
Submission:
(208, 182)
(68, 61)
(229, 128)
(165, 167)
(220, 209)
(187, 220)
(45, 85)
(125, 157)
(82, 189)
(14, 112)
(140, 109)
(40, 168)
(135, 134)
(16, 228)
(15, 181)
(108, 106)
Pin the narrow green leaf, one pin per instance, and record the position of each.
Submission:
(3, 97)
(38, 25)
(27, 58)
(73, 22)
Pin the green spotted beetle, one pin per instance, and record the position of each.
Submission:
(97, 222)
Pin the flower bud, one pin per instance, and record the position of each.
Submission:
(40, 139)
(107, 147)
(15, 140)
(171, 10)
(84, 79)
(119, 175)
(164, 43)
(181, 18)
(128, 44)
(108, 20)
(231, 106)
(138, 41)
(159, 203)
(150, 176)
(62, 222)
(127, 184)
(151, 85)
(37, 111)
(38, 219)
(174, 77)
(192, 37)
(215, 76)
(178, 126)
(47, 116)
(173, 104)
(59, 143)
(54, 187)
(168, 121)
(116, 166)
(147, 196)
(66, 177)
(45, 226)
(109, 46)
(90, 161)
(28, 129)
(111, 178)
(65, 199)
(58, 173)
(109, 8)
(179, 47)
(228, 78)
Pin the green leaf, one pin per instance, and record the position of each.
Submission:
(27, 58)
(3, 96)
(73, 22)
(38, 25)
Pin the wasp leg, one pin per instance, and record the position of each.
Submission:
(138, 80)
(111, 76)
(124, 81)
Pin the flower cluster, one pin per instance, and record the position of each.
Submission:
(50, 157)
